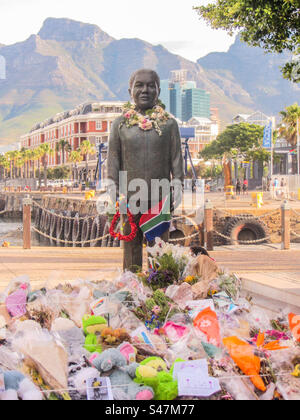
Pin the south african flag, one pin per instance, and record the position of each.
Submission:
(157, 220)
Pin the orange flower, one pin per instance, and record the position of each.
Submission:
(273, 345)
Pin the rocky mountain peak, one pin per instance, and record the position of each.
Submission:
(63, 30)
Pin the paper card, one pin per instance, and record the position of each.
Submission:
(200, 365)
(196, 306)
(141, 335)
(191, 383)
(99, 389)
(99, 307)
(2, 383)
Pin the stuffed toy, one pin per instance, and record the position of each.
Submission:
(153, 372)
(19, 386)
(121, 376)
(71, 336)
(92, 327)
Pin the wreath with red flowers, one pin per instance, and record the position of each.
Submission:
(133, 226)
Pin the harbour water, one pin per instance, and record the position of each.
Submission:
(11, 232)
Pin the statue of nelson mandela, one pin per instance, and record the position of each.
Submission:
(145, 155)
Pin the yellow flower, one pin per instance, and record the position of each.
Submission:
(189, 279)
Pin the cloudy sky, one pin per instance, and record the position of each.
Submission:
(172, 23)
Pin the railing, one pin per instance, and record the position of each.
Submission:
(290, 220)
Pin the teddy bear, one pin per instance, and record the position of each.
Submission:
(19, 386)
(112, 363)
(153, 372)
(93, 327)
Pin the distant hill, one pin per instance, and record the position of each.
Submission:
(256, 72)
(70, 62)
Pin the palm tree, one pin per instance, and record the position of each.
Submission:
(37, 157)
(86, 149)
(63, 146)
(290, 126)
(75, 157)
(30, 153)
(46, 151)
(4, 164)
(12, 155)
(19, 164)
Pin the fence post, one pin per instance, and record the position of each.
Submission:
(27, 203)
(285, 225)
(208, 226)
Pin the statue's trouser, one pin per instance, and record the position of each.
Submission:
(133, 251)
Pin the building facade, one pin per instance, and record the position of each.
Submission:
(206, 131)
(90, 121)
(257, 118)
(183, 99)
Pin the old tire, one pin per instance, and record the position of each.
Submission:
(86, 231)
(76, 232)
(245, 229)
(53, 223)
(60, 227)
(47, 223)
(43, 220)
(97, 230)
(68, 228)
(37, 218)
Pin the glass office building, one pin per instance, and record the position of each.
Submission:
(185, 100)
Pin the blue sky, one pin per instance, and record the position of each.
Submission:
(172, 23)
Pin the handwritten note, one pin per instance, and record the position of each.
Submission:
(194, 380)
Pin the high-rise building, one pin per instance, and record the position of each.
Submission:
(176, 100)
(183, 99)
(196, 103)
(165, 94)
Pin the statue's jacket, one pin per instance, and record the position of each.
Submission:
(143, 154)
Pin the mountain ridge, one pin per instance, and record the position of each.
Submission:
(70, 62)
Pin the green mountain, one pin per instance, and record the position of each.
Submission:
(255, 72)
(70, 62)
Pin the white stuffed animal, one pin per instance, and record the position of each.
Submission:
(18, 386)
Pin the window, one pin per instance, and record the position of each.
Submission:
(98, 125)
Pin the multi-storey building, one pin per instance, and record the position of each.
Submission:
(183, 99)
(206, 131)
(90, 121)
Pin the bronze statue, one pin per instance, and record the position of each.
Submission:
(144, 145)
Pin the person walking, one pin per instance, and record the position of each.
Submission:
(245, 186)
(238, 187)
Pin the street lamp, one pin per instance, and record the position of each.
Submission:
(101, 160)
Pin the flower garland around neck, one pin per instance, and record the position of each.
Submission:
(153, 118)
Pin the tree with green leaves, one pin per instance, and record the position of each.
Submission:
(46, 151)
(12, 156)
(238, 141)
(4, 165)
(75, 157)
(270, 24)
(289, 125)
(86, 149)
(63, 146)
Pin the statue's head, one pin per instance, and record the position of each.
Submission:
(144, 88)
